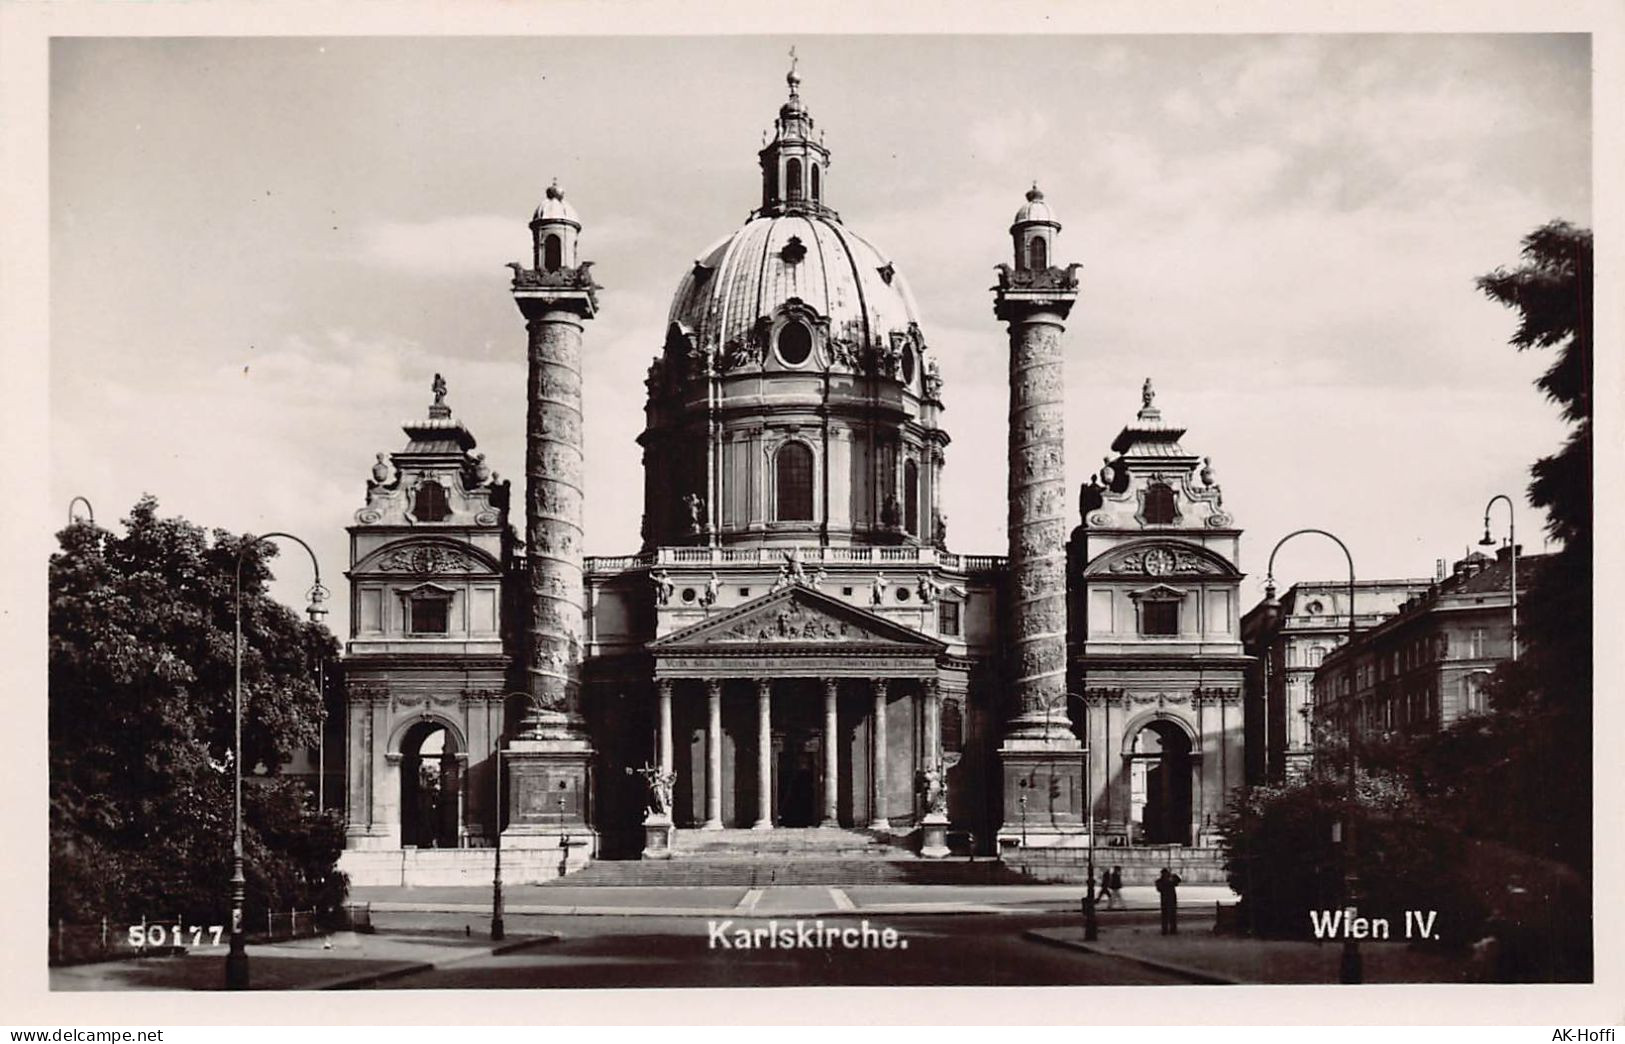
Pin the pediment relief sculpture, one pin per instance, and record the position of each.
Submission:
(1161, 560)
(429, 560)
(791, 622)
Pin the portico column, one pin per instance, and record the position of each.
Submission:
(877, 774)
(933, 722)
(832, 765)
(764, 754)
(666, 759)
(713, 755)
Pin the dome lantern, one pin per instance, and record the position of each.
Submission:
(553, 232)
(1033, 232)
(795, 163)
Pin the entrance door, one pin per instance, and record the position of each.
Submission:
(798, 767)
(1162, 758)
(429, 788)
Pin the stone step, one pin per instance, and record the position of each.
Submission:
(810, 843)
(694, 872)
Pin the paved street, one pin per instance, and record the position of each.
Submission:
(569, 936)
(594, 952)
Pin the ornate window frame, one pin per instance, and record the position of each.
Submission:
(772, 446)
(1161, 594)
(796, 310)
(1140, 496)
(427, 591)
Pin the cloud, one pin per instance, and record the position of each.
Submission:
(444, 247)
(1002, 138)
(472, 245)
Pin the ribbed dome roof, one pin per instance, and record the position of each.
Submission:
(834, 271)
(1035, 209)
(554, 207)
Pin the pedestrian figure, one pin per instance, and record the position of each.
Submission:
(1167, 890)
(1114, 888)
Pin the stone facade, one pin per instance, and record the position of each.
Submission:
(793, 645)
(1313, 620)
(1426, 666)
(1156, 654)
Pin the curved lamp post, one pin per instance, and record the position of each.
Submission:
(498, 930)
(237, 955)
(1512, 540)
(1351, 967)
(90, 513)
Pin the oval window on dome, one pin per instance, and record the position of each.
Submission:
(908, 364)
(795, 344)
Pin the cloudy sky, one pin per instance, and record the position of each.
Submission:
(263, 249)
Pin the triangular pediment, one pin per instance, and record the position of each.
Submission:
(797, 617)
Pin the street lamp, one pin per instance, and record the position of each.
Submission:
(1091, 929)
(1350, 968)
(1512, 539)
(90, 512)
(237, 955)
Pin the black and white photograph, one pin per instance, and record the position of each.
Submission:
(544, 511)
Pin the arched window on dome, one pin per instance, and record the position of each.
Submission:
(1159, 505)
(552, 254)
(911, 498)
(817, 188)
(792, 180)
(1038, 255)
(794, 481)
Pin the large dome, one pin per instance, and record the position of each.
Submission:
(794, 400)
(750, 275)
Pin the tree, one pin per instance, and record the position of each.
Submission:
(141, 671)
(1543, 721)
(1491, 817)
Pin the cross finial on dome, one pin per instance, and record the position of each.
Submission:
(553, 190)
(791, 78)
(1034, 194)
(1147, 394)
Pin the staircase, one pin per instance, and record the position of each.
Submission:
(787, 844)
(813, 856)
(763, 873)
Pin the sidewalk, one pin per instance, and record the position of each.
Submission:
(355, 960)
(1202, 957)
(790, 900)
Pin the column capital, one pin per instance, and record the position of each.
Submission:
(664, 686)
(881, 685)
(764, 686)
(713, 687)
(832, 686)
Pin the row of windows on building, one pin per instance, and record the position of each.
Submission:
(793, 486)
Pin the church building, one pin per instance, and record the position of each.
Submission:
(794, 661)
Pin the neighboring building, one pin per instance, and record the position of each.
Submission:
(1156, 642)
(1312, 621)
(1427, 665)
(793, 645)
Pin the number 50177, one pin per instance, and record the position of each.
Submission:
(175, 935)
